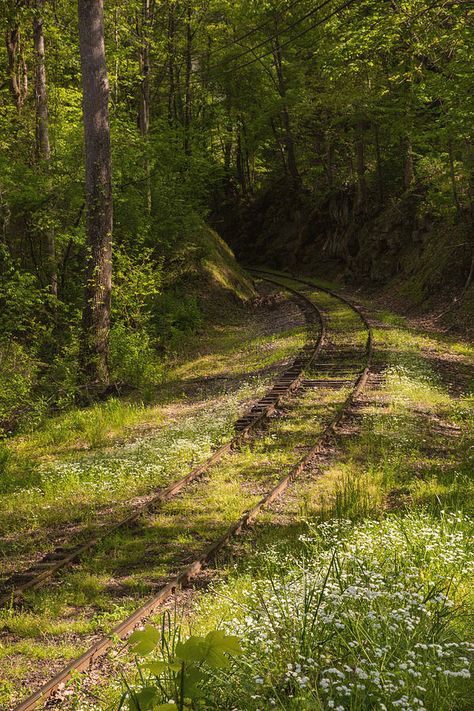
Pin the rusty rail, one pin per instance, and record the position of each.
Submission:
(286, 384)
(86, 660)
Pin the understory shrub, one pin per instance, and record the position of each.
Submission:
(134, 360)
(24, 305)
(18, 374)
(178, 315)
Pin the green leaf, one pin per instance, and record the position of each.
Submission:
(175, 666)
(211, 649)
(143, 642)
(192, 678)
(145, 699)
(225, 643)
(156, 668)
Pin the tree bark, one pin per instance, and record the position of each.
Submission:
(17, 69)
(289, 141)
(469, 163)
(247, 158)
(144, 109)
(96, 311)
(408, 169)
(172, 111)
(43, 149)
(189, 67)
(361, 169)
(452, 175)
(280, 147)
(228, 145)
(239, 162)
(329, 162)
(378, 153)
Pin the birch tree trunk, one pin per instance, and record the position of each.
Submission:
(96, 311)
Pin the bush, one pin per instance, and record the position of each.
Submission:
(18, 375)
(134, 361)
(178, 315)
(23, 304)
(137, 283)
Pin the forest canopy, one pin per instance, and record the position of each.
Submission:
(204, 107)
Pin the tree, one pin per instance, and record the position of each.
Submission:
(17, 66)
(96, 311)
(43, 149)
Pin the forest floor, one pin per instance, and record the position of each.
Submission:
(395, 486)
(83, 470)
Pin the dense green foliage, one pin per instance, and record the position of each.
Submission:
(354, 104)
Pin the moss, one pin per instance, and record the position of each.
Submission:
(221, 267)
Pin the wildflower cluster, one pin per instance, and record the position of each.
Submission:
(359, 621)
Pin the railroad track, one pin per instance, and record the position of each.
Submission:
(334, 369)
(286, 384)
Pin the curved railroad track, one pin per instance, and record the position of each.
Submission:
(330, 357)
(286, 384)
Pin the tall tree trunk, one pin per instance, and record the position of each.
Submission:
(289, 141)
(43, 150)
(172, 111)
(96, 312)
(361, 169)
(329, 161)
(4, 216)
(228, 145)
(247, 158)
(408, 168)
(189, 67)
(469, 164)
(240, 162)
(17, 69)
(378, 154)
(452, 175)
(280, 147)
(144, 109)
(117, 61)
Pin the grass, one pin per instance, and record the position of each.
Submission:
(127, 567)
(107, 455)
(359, 594)
(363, 570)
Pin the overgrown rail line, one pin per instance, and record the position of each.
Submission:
(287, 383)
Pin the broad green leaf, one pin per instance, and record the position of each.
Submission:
(144, 700)
(225, 643)
(175, 666)
(192, 678)
(156, 668)
(211, 649)
(143, 642)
